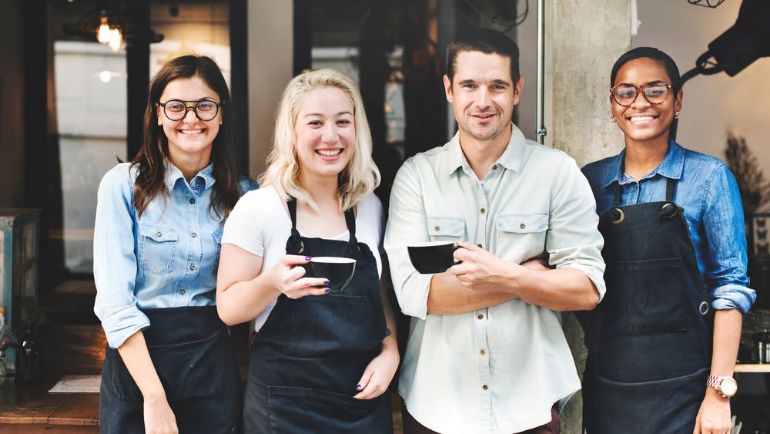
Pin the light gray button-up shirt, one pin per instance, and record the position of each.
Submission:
(499, 369)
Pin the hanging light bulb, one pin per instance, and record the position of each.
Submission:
(116, 40)
(103, 35)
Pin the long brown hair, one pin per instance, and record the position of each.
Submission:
(152, 156)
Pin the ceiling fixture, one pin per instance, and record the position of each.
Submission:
(111, 28)
(740, 45)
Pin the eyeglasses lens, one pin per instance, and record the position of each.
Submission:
(625, 95)
(177, 110)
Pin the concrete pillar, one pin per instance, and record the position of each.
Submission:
(271, 51)
(583, 39)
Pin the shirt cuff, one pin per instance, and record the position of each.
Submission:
(413, 296)
(594, 275)
(123, 322)
(732, 296)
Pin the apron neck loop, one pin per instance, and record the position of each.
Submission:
(350, 219)
(617, 190)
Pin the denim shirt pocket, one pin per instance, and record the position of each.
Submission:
(157, 248)
(525, 231)
(217, 235)
(446, 228)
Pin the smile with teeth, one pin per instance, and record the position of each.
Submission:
(190, 132)
(641, 118)
(329, 152)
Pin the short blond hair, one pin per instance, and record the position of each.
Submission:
(359, 178)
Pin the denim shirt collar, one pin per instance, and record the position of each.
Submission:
(173, 174)
(511, 158)
(671, 167)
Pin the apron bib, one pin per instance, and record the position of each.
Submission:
(649, 340)
(311, 352)
(194, 357)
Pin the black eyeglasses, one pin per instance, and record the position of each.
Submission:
(654, 92)
(176, 110)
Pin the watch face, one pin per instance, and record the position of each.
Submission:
(728, 387)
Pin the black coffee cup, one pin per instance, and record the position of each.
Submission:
(335, 269)
(432, 257)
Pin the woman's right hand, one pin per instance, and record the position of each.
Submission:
(158, 417)
(287, 278)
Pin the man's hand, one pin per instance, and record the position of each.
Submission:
(714, 415)
(480, 269)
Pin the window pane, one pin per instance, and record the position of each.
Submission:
(90, 95)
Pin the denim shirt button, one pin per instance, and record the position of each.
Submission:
(182, 291)
(193, 235)
(158, 234)
(192, 201)
(193, 267)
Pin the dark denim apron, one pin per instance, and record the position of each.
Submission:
(649, 340)
(311, 352)
(193, 354)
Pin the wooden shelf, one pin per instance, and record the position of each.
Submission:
(753, 368)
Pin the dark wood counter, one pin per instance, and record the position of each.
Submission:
(31, 409)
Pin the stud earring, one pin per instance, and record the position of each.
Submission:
(612, 119)
(676, 115)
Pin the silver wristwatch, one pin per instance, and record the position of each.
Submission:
(726, 386)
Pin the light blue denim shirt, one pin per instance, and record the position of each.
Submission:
(707, 191)
(167, 257)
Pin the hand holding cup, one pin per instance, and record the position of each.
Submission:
(287, 276)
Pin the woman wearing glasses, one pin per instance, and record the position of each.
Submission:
(169, 366)
(663, 342)
(321, 360)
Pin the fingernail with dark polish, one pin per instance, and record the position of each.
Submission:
(327, 282)
(327, 291)
(307, 258)
(358, 387)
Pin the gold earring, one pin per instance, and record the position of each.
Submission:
(676, 115)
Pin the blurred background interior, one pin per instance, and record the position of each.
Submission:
(72, 99)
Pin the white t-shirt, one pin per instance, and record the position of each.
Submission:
(260, 224)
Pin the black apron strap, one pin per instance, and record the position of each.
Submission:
(294, 244)
(292, 204)
(670, 189)
(617, 190)
(350, 221)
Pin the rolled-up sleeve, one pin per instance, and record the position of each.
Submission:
(726, 265)
(115, 260)
(407, 223)
(573, 238)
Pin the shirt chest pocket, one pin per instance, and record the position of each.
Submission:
(522, 232)
(446, 228)
(157, 248)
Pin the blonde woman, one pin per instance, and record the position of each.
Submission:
(320, 360)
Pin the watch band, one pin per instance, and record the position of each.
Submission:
(713, 381)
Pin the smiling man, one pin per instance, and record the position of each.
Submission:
(486, 352)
